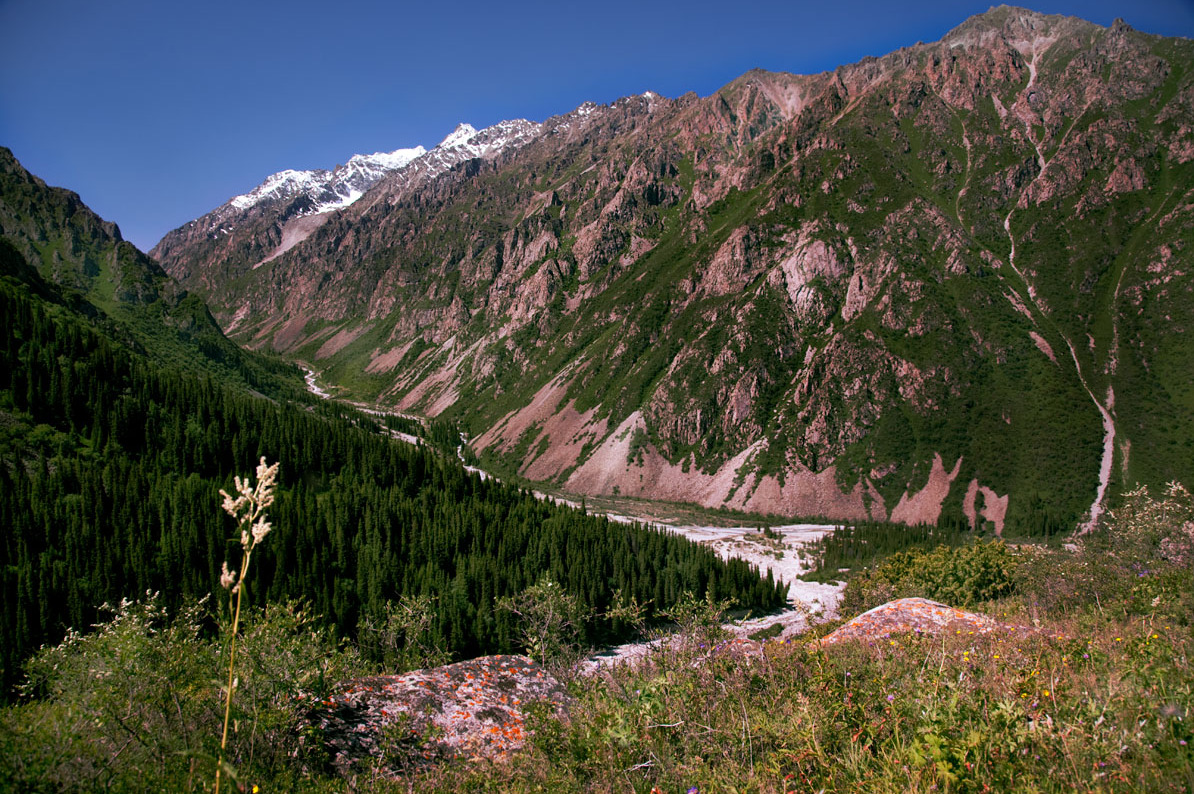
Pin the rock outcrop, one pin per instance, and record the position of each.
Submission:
(474, 709)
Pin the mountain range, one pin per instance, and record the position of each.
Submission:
(950, 283)
(288, 206)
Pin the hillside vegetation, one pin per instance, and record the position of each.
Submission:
(124, 410)
(112, 464)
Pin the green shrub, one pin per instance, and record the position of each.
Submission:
(960, 576)
(135, 705)
(1136, 562)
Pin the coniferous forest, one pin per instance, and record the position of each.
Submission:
(109, 488)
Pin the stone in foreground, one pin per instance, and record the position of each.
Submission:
(474, 709)
(915, 614)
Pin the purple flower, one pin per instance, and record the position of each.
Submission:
(693, 790)
(891, 698)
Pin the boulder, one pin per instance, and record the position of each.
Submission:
(475, 709)
(916, 614)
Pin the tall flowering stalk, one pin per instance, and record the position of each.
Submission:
(248, 508)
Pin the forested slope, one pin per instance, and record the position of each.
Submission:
(111, 461)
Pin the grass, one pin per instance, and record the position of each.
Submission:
(1087, 707)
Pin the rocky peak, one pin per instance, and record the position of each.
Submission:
(328, 190)
(1012, 24)
(467, 143)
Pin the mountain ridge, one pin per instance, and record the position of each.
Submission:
(290, 204)
(924, 286)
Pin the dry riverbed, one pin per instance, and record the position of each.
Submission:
(808, 601)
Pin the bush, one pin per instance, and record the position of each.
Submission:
(136, 705)
(961, 576)
(1137, 562)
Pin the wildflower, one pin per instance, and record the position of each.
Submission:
(260, 530)
(891, 698)
(248, 508)
(227, 577)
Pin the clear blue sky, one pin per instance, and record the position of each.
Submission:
(158, 111)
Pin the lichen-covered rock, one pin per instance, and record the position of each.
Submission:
(474, 709)
(916, 614)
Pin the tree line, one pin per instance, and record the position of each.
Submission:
(110, 470)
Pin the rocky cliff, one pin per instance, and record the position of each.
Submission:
(951, 282)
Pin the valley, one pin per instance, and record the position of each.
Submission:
(780, 553)
(823, 432)
(945, 284)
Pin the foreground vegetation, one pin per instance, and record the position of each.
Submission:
(1097, 696)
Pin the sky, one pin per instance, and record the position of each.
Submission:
(158, 111)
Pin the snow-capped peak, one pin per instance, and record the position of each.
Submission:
(329, 190)
(280, 185)
(336, 189)
(458, 137)
(466, 141)
(390, 161)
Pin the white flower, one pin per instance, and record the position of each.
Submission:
(227, 577)
(233, 506)
(263, 497)
(260, 530)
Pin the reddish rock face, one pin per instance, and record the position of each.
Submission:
(474, 708)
